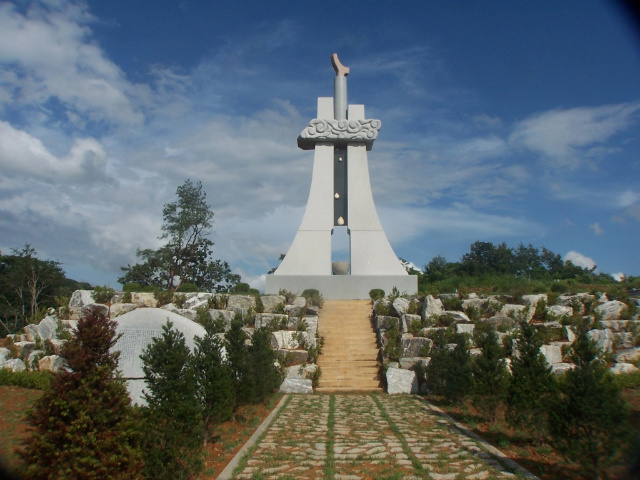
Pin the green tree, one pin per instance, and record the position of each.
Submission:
(186, 257)
(490, 374)
(264, 376)
(26, 284)
(84, 426)
(239, 362)
(213, 381)
(449, 370)
(173, 417)
(589, 422)
(532, 385)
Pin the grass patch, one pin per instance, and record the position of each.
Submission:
(330, 467)
(26, 379)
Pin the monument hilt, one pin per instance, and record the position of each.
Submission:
(339, 130)
(339, 88)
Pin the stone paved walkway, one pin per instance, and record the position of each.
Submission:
(347, 437)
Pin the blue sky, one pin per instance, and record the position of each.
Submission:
(501, 121)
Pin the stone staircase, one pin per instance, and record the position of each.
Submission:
(349, 359)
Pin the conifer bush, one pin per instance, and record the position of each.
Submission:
(532, 387)
(589, 420)
(490, 374)
(213, 381)
(173, 427)
(83, 426)
(449, 370)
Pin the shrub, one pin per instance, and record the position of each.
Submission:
(26, 379)
(163, 297)
(452, 304)
(532, 385)
(314, 377)
(313, 297)
(241, 288)
(126, 298)
(213, 382)
(393, 348)
(84, 426)
(473, 313)
(179, 300)
(103, 294)
(173, 418)
(289, 296)
(489, 372)
(449, 371)
(589, 421)
(376, 294)
(188, 288)
(131, 287)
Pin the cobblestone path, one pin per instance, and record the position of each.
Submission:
(349, 437)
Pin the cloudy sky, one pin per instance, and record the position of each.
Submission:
(501, 121)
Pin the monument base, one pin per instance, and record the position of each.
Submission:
(342, 287)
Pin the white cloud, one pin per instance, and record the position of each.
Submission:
(564, 135)
(597, 229)
(24, 155)
(580, 260)
(49, 47)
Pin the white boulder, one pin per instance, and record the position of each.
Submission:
(401, 381)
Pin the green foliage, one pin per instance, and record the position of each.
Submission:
(532, 385)
(173, 427)
(210, 324)
(393, 348)
(452, 304)
(131, 287)
(376, 294)
(473, 313)
(589, 421)
(213, 382)
(289, 296)
(28, 285)
(179, 300)
(103, 294)
(186, 257)
(238, 358)
(449, 371)
(127, 298)
(188, 288)
(26, 379)
(540, 311)
(164, 297)
(241, 288)
(313, 297)
(84, 426)
(264, 376)
(395, 293)
(315, 377)
(489, 372)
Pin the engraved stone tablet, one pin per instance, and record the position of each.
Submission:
(138, 328)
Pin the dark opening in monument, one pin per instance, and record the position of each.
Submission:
(340, 251)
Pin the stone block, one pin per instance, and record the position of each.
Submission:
(226, 315)
(95, 307)
(284, 340)
(51, 363)
(4, 355)
(630, 356)
(241, 303)
(31, 332)
(620, 368)
(270, 320)
(559, 311)
(270, 302)
(401, 381)
(432, 307)
(410, 363)
(458, 317)
(294, 357)
(144, 299)
(80, 298)
(533, 300)
(15, 365)
(385, 321)
(411, 346)
(552, 353)
(294, 310)
(465, 328)
(603, 338)
(118, 309)
(623, 340)
(400, 306)
(47, 327)
(197, 300)
(611, 310)
(33, 358)
(296, 385)
(407, 320)
(292, 323)
(300, 372)
(23, 349)
(560, 368)
(312, 324)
